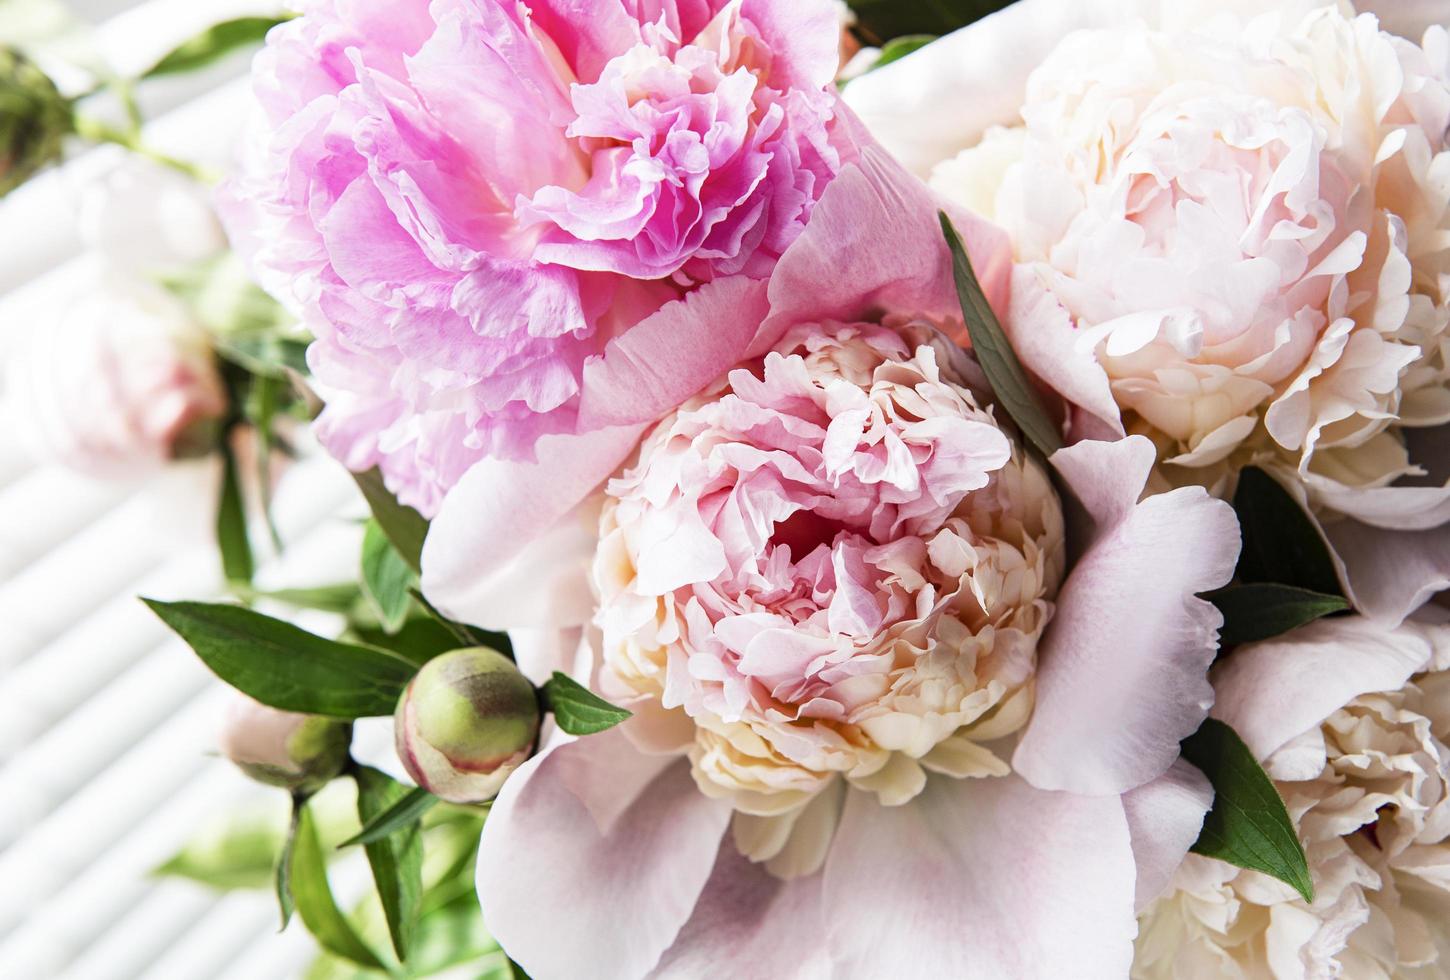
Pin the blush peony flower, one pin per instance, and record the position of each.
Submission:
(837, 564)
(831, 591)
(468, 201)
(1232, 233)
(1351, 720)
(120, 381)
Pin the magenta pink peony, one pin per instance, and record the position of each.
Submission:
(835, 593)
(468, 202)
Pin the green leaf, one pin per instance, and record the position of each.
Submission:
(1248, 826)
(286, 903)
(403, 525)
(286, 667)
(1281, 544)
(234, 850)
(396, 858)
(231, 523)
(315, 904)
(1014, 390)
(420, 639)
(386, 578)
(340, 597)
(879, 21)
(899, 47)
(1260, 610)
(578, 710)
(260, 409)
(402, 812)
(213, 44)
(468, 636)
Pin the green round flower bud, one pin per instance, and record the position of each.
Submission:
(281, 748)
(34, 120)
(466, 722)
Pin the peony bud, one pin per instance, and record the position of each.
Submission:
(465, 723)
(34, 120)
(282, 748)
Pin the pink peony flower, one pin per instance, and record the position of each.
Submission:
(1232, 232)
(469, 201)
(831, 592)
(1351, 721)
(120, 382)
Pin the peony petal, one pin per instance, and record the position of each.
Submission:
(1407, 18)
(1389, 574)
(667, 357)
(754, 921)
(1273, 691)
(629, 825)
(981, 878)
(1164, 818)
(916, 107)
(874, 244)
(1122, 675)
(507, 517)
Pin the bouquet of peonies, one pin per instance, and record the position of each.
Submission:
(846, 501)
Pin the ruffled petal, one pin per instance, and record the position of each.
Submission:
(1164, 818)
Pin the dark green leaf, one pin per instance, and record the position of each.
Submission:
(315, 904)
(1259, 611)
(1248, 826)
(899, 47)
(386, 578)
(578, 710)
(517, 971)
(1014, 390)
(420, 639)
(286, 667)
(468, 636)
(213, 44)
(1281, 544)
(231, 523)
(286, 904)
(878, 21)
(402, 812)
(403, 525)
(396, 859)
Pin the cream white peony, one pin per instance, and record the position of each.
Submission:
(1367, 782)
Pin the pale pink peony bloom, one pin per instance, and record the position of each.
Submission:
(1234, 237)
(120, 381)
(1351, 721)
(831, 592)
(469, 201)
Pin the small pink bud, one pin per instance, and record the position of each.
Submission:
(281, 748)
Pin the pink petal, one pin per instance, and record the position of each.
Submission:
(1273, 691)
(666, 358)
(981, 878)
(509, 516)
(1164, 818)
(1045, 340)
(594, 856)
(763, 927)
(874, 244)
(1122, 672)
(1389, 574)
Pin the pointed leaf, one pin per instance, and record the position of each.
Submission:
(578, 710)
(1248, 826)
(1259, 611)
(315, 904)
(213, 44)
(286, 904)
(386, 578)
(286, 667)
(1014, 390)
(878, 21)
(231, 523)
(403, 525)
(468, 636)
(403, 811)
(418, 641)
(1281, 543)
(396, 859)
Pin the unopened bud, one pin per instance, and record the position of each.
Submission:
(281, 748)
(466, 722)
(34, 120)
